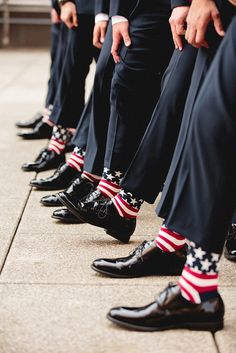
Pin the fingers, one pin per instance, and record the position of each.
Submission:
(96, 38)
(126, 38)
(201, 34)
(176, 38)
(103, 35)
(115, 49)
(74, 20)
(218, 24)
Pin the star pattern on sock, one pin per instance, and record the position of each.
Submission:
(202, 261)
(61, 133)
(79, 151)
(112, 176)
(131, 199)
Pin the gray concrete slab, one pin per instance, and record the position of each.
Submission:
(226, 339)
(49, 319)
(51, 301)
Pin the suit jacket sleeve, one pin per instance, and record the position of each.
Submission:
(122, 7)
(55, 6)
(177, 3)
(102, 6)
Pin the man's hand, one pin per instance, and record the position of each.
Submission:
(233, 2)
(178, 24)
(201, 13)
(99, 33)
(69, 15)
(120, 33)
(55, 18)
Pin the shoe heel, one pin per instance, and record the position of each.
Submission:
(123, 238)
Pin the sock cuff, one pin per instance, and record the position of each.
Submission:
(56, 145)
(91, 177)
(123, 208)
(169, 241)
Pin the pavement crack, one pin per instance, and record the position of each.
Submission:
(16, 229)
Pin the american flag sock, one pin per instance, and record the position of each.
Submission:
(60, 137)
(199, 279)
(127, 204)
(169, 241)
(76, 159)
(109, 185)
(91, 177)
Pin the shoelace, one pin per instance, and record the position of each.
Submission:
(139, 250)
(102, 212)
(163, 296)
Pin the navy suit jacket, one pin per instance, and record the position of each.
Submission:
(85, 7)
(122, 7)
(55, 5)
(102, 6)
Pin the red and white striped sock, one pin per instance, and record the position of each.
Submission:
(91, 177)
(109, 185)
(199, 279)
(76, 159)
(59, 139)
(169, 241)
(127, 204)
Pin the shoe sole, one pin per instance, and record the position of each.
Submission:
(50, 205)
(49, 188)
(114, 275)
(206, 326)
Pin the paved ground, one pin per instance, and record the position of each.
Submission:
(50, 299)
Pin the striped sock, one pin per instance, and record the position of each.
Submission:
(60, 137)
(169, 241)
(127, 204)
(199, 279)
(76, 159)
(109, 185)
(91, 177)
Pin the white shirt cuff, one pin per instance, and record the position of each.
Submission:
(118, 19)
(101, 17)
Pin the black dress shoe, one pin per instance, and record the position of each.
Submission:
(65, 216)
(146, 260)
(30, 124)
(51, 201)
(81, 188)
(41, 131)
(77, 190)
(102, 213)
(172, 311)
(61, 179)
(230, 245)
(46, 160)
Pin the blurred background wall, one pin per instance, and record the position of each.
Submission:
(24, 23)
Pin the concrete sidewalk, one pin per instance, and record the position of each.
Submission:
(50, 299)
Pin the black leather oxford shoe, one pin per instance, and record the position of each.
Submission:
(51, 201)
(171, 311)
(77, 190)
(230, 245)
(30, 124)
(61, 179)
(146, 260)
(46, 160)
(65, 216)
(103, 213)
(40, 131)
